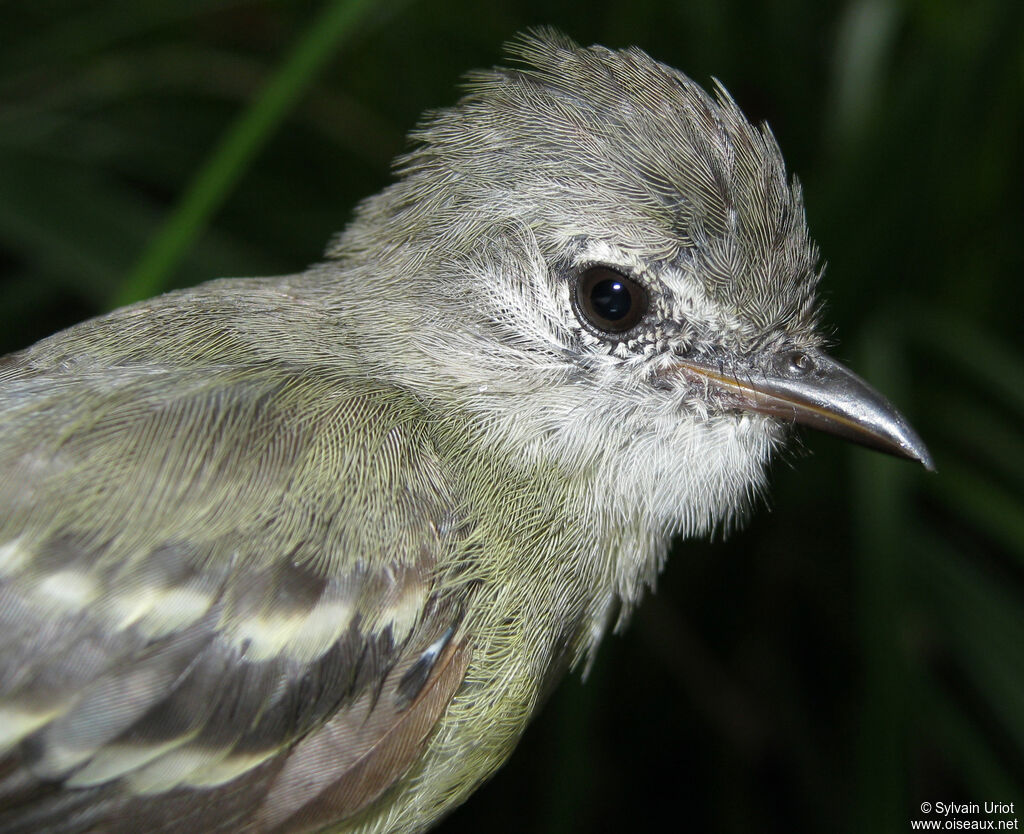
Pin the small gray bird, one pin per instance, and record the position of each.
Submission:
(304, 554)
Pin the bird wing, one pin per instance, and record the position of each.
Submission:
(217, 602)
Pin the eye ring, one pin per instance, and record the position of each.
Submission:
(608, 301)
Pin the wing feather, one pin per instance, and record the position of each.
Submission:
(355, 757)
(216, 597)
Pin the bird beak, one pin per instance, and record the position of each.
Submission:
(814, 390)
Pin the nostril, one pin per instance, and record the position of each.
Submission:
(797, 363)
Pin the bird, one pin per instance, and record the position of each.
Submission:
(306, 553)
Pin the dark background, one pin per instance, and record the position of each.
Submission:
(856, 650)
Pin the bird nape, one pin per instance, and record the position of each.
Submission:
(304, 553)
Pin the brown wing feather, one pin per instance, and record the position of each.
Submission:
(357, 756)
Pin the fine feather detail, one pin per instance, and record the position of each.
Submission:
(143, 671)
(354, 758)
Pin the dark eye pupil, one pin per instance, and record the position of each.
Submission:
(607, 301)
(611, 300)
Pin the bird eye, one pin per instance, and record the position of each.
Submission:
(608, 301)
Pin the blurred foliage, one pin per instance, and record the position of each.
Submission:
(852, 653)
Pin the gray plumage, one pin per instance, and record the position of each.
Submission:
(305, 553)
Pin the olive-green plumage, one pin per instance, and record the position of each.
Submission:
(305, 553)
(254, 472)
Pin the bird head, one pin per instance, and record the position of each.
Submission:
(610, 269)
